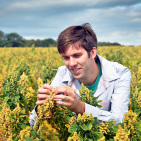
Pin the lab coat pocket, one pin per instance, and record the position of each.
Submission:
(106, 105)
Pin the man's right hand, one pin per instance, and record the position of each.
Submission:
(43, 93)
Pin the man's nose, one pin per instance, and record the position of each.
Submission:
(72, 62)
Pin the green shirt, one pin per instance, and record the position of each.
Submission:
(94, 86)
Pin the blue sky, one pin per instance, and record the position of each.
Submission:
(112, 20)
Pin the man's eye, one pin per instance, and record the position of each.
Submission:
(65, 58)
(77, 55)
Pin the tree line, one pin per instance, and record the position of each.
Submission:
(15, 40)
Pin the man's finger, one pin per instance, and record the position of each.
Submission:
(42, 96)
(63, 103)
(40, 102)
(65, 90)
(46, 86)
(44, 91)
(63, 97)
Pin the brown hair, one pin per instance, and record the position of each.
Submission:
(82, 34)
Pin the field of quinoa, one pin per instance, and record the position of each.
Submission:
(24, 70)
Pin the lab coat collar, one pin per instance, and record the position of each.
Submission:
(108, 71)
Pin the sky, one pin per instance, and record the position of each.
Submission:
(112, 20)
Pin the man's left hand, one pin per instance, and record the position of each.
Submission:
(71, 101)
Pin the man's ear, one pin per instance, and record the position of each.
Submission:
(93, 53)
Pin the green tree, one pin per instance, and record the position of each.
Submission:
(13, 36)
(48, 42)
(1, 35)
(13, 40)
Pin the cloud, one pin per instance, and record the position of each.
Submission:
(47, 18)
(32, 4)
(122, 37)
(57, 7)
(34, 37)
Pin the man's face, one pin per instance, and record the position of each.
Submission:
(77, 61)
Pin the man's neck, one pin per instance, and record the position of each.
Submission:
(91, 79)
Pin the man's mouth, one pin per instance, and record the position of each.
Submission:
(75, 71)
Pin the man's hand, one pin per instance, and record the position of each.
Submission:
(43, 93)
(71, 101)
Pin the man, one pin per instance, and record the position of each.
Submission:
(110, 81)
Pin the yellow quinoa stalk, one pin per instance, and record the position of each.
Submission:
(5, 71)
(90, 117)
(139, 75)
(102, 139)
(6, 122)
(80, 117)
(39, 82)
(84, 117)
(27, 91)
(85, 94)
(24, 83)
(48, 72)
(130, 104)
(49, 81)
(72, 120)
(18, 114)
(47, 111)
(29, 96)
(26, 132)
(1, 82)
(74, 137)
(133, 83)
(129, 118)
(2, 136)
(11, 83)
(9, 138)
(139, 99)
(104, 128)
(18, 117)
(136, 93)
(83, 128)
(47, 132)
(121, 135)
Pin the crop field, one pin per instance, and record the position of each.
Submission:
(24, 70)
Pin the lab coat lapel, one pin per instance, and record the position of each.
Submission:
(102, 86)
(108, 74)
